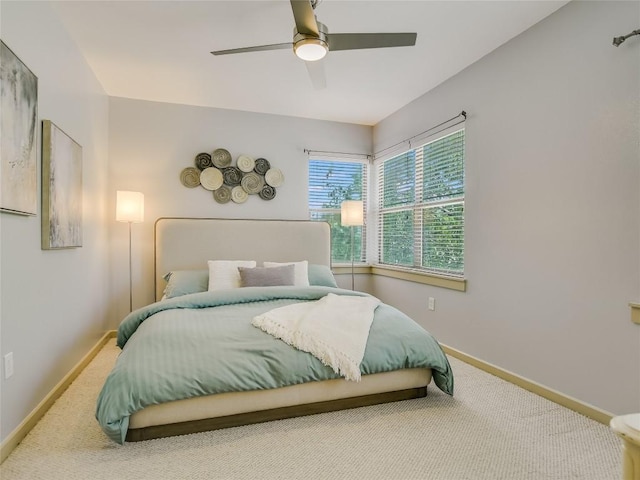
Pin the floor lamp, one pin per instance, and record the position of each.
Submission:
(352, 215)
(129, 209)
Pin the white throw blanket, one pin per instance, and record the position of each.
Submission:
(334, 329)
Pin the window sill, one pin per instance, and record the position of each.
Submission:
(452, 283)
(635, 312)
(443, 281)
(343, 268)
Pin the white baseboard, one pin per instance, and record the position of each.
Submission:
(548, 393)
(37, 413)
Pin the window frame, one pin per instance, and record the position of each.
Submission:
(417, 209)
(363, 231)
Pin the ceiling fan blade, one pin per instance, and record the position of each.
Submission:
(305, 17)
(316, 74)
(259, 48)
(355, 41)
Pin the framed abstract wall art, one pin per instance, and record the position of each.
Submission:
(61, 189)
(18, 149)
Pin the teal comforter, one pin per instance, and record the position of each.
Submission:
(204, 343)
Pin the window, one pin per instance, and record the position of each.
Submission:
(330, 183)
(421, 207)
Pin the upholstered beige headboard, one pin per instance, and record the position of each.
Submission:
(188, 243)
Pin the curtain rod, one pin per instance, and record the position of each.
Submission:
(408, 140)
(325, 152)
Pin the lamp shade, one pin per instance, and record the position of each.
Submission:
(129, 206)
(351, 213)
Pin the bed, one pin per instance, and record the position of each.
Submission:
(195, 360)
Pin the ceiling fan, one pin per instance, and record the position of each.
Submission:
(312, 40)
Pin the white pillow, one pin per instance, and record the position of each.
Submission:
(300, 271)
(224, 274)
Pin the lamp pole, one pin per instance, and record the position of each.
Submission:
(130, 274)
(352, 276)
(129, 209)
(352, 215)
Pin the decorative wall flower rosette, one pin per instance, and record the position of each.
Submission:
(190, 177)
(245, 163)
(221, 158)
(203, 161)
(267, 192)
(232, 176)
(252, 183)
(274, 177)
(262, 166)
(211, 178)
(239, 194)
(222, 194)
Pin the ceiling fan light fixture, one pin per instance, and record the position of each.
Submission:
(310, 49)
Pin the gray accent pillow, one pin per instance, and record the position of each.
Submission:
(321, 276)
(266, 276)
(184, 282)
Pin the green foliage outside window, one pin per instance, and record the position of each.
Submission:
(400, 181)
(341, 238)
(397, 246)
(443, 237)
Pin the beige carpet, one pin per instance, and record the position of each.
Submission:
(490, 430)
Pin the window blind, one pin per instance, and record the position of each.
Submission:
(421, 207)
(330, 183)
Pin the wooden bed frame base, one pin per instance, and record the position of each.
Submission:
(249, 418)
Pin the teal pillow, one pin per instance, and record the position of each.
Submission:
(321, 276)
(184, 282)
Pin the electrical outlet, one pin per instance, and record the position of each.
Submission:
(432, 303)
(8, 365)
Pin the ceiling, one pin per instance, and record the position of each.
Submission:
(160, 51)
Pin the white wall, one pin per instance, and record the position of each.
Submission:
(553, 206)
(149, 145)
(54, 304)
